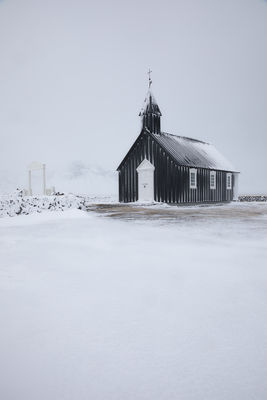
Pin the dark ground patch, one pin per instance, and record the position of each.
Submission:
(177, 213)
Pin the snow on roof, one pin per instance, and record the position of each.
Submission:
(150, 104)
(193, 153)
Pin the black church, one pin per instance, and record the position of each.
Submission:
(167, 168)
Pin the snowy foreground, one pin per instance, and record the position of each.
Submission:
(95, 307)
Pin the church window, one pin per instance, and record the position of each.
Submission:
(193, 178)
(212, 179)
(229, 181)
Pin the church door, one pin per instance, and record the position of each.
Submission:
(145, 181)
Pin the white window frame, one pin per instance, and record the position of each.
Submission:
(213, 174)
(228, 179)
(193, 171)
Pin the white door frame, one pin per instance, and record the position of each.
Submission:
(145, 181)
(34, 166)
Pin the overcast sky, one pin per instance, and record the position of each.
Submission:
(73, 77)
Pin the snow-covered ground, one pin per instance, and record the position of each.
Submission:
(94, 307)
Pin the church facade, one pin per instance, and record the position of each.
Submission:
(174, 169)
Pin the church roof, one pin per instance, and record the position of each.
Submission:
(193, 153)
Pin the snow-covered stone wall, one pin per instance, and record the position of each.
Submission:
(17, 204)
(252, 198)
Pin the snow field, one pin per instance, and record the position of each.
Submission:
(96, 308)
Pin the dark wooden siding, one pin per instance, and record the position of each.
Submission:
(171, 181)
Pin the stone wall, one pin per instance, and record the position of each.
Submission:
(253, 198)
(17, 204)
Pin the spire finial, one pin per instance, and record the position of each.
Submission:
(149, 78)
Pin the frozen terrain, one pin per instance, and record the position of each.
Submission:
(136, 303)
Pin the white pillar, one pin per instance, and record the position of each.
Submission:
(30, 183)
(235, 188)
(44, 180)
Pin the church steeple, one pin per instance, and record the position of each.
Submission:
(150, 112)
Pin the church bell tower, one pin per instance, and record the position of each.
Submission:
(150, 112)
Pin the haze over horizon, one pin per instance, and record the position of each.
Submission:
(74, 76)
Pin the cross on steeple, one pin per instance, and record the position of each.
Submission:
(149, 78)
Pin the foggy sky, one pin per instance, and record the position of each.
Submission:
(73, 77)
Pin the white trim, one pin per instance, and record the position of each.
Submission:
(145, 166)
(235, 186)
(145, 172)
(35, 165)
(212, 181)
(193, 172)
(228, 181)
